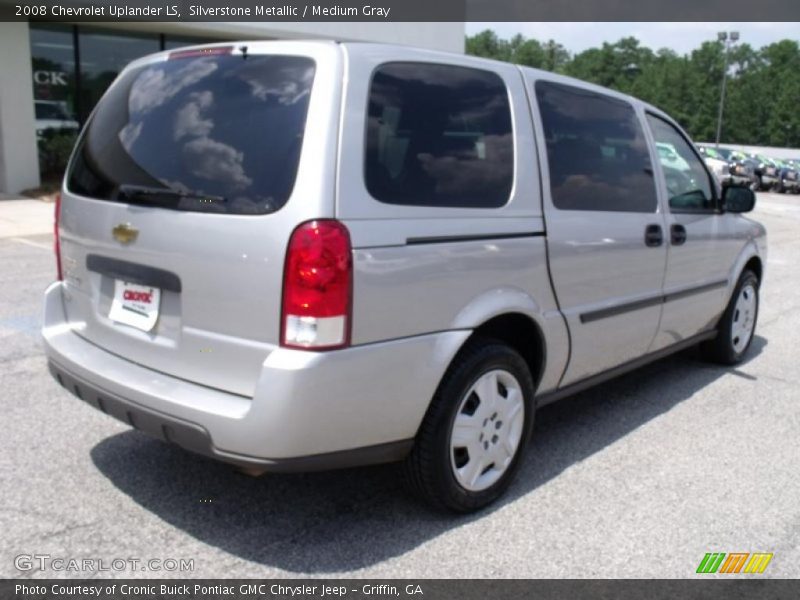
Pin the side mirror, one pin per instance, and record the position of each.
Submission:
(738, 199)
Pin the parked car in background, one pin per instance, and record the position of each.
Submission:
(795, 164)
(375, 282)
(718, 165)
(787, 177)
(767, 171)
(743, 169)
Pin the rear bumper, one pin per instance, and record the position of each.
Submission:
(311, 411)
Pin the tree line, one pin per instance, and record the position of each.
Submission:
(762, 104)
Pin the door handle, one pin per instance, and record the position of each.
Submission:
(677, 234)
(653, 236)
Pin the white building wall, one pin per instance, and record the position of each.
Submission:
(19, 160)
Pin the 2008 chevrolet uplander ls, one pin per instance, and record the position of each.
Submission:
(305, 255)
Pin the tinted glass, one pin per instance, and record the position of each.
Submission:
(688, 183)
(103, 56)
(439, 135)
(55, 111)
(596, 151)
(724, 153)
(53, 61)
(210, 133)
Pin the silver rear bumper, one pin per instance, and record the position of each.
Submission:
(311, 410)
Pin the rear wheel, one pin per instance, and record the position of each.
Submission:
(477, 426)
(737, 324)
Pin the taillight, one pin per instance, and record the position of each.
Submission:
(56, 240)
(193, 53)
(317, 287)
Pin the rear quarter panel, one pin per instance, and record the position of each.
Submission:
(409, 279)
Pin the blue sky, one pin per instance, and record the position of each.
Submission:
(681, 37)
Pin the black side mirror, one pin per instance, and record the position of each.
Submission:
(738, 199)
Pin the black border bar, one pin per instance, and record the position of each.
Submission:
(400, 10)
(713, 587)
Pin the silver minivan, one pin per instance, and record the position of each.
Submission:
(310, 255)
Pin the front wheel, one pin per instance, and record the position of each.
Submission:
(737, 324)
(475, 431)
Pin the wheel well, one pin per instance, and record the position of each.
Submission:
(521, 333)
(754, 265)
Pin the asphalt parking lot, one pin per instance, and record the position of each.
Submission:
(637, 478)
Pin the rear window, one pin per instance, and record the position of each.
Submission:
(212, 133)
(439, 135)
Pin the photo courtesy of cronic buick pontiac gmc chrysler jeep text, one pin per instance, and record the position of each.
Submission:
(310, 255)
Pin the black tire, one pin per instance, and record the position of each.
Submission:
(721, 349)
(755, 183)
(429, 469)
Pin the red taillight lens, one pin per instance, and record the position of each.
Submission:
(317, 287)
(56, 240)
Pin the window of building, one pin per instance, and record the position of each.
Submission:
(596, 151)
(688, 182)
(103, 54)
(439, 135)
(53, 61)
(72, 68)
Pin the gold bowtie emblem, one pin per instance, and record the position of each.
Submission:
(125, 233)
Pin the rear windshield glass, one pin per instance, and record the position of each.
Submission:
(212, 133)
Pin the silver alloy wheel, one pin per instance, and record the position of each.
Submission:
(487, 430)
(744, 318)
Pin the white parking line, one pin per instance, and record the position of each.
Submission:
(30, 243)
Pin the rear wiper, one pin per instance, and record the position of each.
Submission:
(164, 196)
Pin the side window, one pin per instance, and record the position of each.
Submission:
(439, 135)
(596, 151)
(688, 183)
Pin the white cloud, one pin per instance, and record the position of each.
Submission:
(129, 134)
(288, 84)
(216, 161)
(152, 88)
(189, 118)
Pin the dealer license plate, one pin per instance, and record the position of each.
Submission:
(135, 305)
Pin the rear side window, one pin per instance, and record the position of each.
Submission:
(211, 133)
(596, 151)
(439, 135)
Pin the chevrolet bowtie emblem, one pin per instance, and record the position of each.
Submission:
(125, 233)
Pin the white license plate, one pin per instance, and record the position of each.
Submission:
(135, 305)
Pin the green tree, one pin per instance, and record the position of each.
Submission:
(762, 91)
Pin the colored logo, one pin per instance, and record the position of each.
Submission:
(735, 562)
(125, 233)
